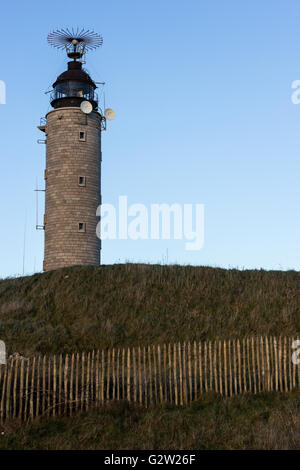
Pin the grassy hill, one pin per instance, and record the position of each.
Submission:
(85, 308)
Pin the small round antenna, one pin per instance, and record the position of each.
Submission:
(109, 114)
(75, 41)
(86, 107)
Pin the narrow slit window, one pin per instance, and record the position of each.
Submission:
(82, 136)
(81, 227)
(81, 180)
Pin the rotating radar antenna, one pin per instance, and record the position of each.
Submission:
(76, 42)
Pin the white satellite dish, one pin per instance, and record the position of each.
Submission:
(86, 107)
(109, 114)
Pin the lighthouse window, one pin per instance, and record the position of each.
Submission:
(81, 180)
(81, 227)
(82, 136)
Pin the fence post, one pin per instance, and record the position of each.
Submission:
(88, 371)
(200, 366)
(170, 373)
(195, 372)
(225, 370)
(190, 373)
(71, 391)
(66, 384)
(114, 374)
(128, 374)
(140, 377)
(150, 375)
(134, 376)
(210, 366)
(32, 389)
(145, 376)
(220, 368)
(175, 374)
(15, 388)
(3, 393)
(108, 377)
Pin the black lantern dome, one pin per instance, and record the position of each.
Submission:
(72, 87)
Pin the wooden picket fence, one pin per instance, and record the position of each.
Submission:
(174, 373)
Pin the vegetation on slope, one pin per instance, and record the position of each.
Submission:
(85, 308)
(269, 421)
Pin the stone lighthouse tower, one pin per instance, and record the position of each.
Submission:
(73, 159)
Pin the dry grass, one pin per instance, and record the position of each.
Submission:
(246, 422)
(85, 308)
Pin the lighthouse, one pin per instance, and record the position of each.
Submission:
(73, 158)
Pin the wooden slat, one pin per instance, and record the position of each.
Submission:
(66, 370)
(54, 385)
(77, 375)
(210, 361)
(155, 374)
(205, 367)
(160, 384)
(71, 391)
(38, 387)
(244, 365)
(87, 389)
(180, 374)
(200, 366)
(140, 386)
(190, 373)
(26, 405)
(82, 385)
(32, 389)
(150, 376)
(113, 374)
(8, 388)
(230, 368)
(21, 394)
(215, 368)
(235, 375)
(128, 375)
(175, 375)
(108, 375)
(145, 376)
(259, 383)
(220, 368)
(285, 364)
(118, 374)
(134, 376)
(195, 371)
(225, 369)
(249, 366)
(3, 407)
(165, 368)
(184, 374)
(60, 372)
(15, 388)
(123, 374)
(170, 373)
(103, 375)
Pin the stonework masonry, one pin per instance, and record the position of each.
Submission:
(73, 194)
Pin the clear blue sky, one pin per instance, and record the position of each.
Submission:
(202, 94)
